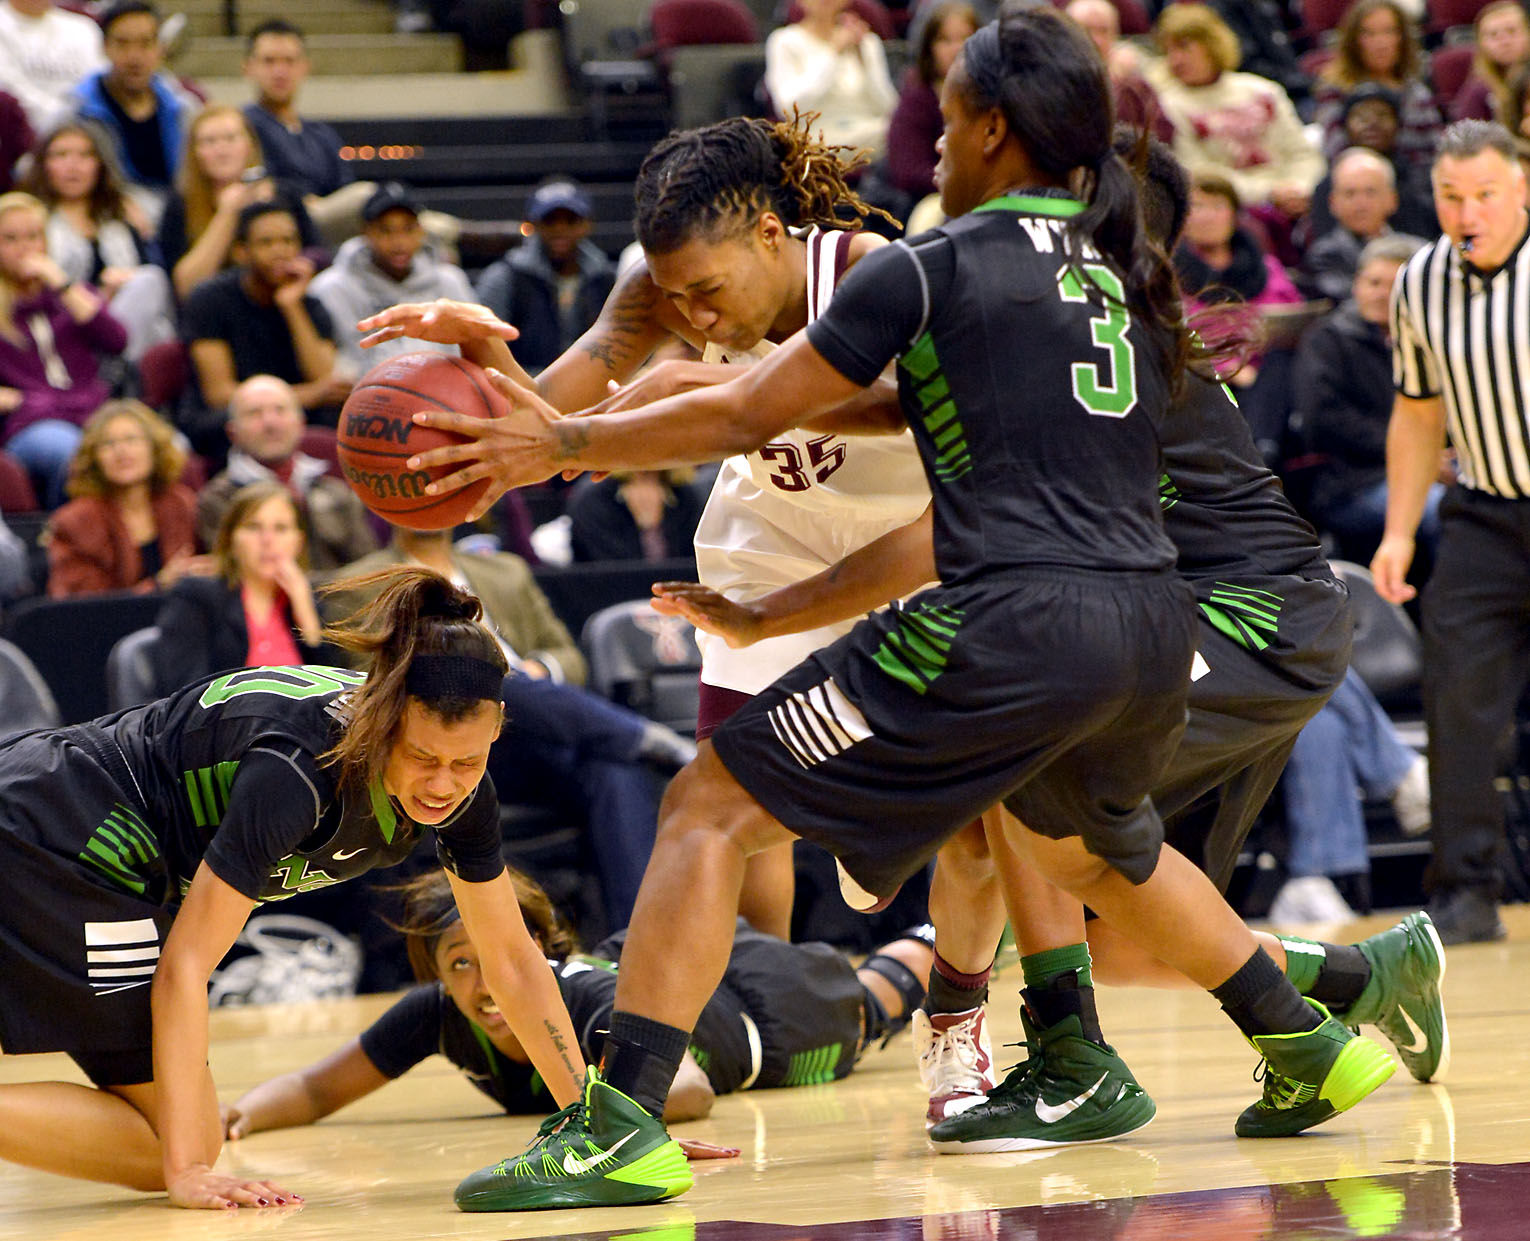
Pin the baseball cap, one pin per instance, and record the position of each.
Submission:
(390, 196)
(1371, 90)
(558, 196)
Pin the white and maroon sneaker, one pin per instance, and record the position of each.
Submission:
(955, 1061)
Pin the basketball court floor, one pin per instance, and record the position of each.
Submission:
(848, 1162)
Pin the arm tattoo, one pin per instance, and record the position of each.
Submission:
(622, 326)
(560, 1047)
(572, 436)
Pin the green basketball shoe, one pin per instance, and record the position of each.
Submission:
(1402, 998)
(1311, 1076)
(602, 1150)
(1070, 1090)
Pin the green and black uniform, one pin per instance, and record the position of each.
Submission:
(1049, 668)
(1275, 627)
(783, 1015)
(103, 825)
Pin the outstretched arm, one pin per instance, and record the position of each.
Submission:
(517, 976)
(887, 568)
(531, 443)
(304, 1095)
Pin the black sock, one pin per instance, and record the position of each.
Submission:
(641, 1058)
(1060, 999)
(1342, 976)
(952, 991)
(1261, 1000)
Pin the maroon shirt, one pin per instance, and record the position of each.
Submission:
(54, 364)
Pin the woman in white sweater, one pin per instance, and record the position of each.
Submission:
(831, 62)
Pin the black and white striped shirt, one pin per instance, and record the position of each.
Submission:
(1465, 338)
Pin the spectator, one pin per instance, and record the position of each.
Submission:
(145, 111)
(220, 176)
(832, 63)
(1343, 398)
(304, 152)
(45, 52)
(1379, 44)
(915, 125)
(1220, 262)
(15, 566)
(129, 524)
(392, 261)
(260, 319)
(1238, 124)
(1503, 48)
(1362, 196)
(1136, 102)
(51, 330)
(634, 515)
(1264, 46)
(562, 746)
(265, 428)
(553, 286)
(1350, 744)
(97, 234)
(16, 137)
(256, 609)
(1370, 117)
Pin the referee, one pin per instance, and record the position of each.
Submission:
(1461, 360)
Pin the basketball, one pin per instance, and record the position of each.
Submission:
(377, 436)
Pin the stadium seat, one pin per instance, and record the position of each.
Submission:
(68, 641)
(1321, 16)
(1444, 14)
(16, 492)
(1449, 68)
(164, 371)
(25, 700)
(130, 669)
(1387, 651)
(682, 23)
(645, 661)
(578, 591)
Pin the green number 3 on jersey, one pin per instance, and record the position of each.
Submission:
(1108, 388)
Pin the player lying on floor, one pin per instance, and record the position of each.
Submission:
(785, 1015)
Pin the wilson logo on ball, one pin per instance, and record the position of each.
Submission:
(377, 435)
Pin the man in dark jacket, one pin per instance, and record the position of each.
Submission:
(553, 286)
(1343, 401)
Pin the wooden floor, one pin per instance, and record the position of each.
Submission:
(1409, 1162)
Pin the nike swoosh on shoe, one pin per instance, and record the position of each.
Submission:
(1050, 1113)
(576, 1166)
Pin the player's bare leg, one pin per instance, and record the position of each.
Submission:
(951, 1043)
(770, 886)
(83, 1132)
(682, 923)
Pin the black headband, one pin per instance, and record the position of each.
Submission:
(453, 676)
(984, 60)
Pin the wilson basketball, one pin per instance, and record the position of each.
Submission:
(377, 436)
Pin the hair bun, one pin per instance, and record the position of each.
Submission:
(442, 599)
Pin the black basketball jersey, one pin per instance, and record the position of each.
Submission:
(1226, 513)
(227, 770)
(425, 1022)
(1033, 396)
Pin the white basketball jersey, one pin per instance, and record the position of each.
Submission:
(799, 504)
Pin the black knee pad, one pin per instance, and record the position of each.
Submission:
(879, 1024)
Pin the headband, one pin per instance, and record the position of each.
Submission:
(985, 61)
(452, 676)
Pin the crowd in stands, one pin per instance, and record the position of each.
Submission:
(144, 230)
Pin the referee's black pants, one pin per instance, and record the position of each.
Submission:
(1476, 614)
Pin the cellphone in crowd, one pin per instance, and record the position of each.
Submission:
(251, 175)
